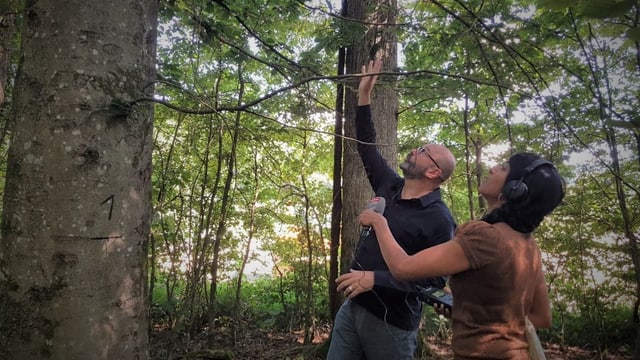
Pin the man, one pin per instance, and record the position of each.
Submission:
(380, 317)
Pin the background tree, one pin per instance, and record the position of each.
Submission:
(77, 206)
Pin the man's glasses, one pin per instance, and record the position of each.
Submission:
(423, 149)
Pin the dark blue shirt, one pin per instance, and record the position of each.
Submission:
(416, 224)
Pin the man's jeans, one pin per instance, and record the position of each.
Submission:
(358, 334)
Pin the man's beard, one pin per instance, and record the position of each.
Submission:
(410, 170)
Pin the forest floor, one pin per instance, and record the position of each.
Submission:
(261, 345)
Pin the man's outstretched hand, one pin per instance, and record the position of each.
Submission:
(368, 82)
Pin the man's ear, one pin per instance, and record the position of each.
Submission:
(432, 173)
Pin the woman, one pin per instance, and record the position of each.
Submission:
(497, 279)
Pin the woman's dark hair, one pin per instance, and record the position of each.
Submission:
(544, 192)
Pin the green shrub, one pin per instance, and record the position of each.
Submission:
(613, 330)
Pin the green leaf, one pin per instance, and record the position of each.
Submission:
(634, 34)
(601, 9)
(556, 4)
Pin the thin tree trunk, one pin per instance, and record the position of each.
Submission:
(222, 220)
(308, 305)
(247, 250)
(477, 145)
(467, 157)
(336, 209)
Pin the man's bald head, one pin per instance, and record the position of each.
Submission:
(444, 158)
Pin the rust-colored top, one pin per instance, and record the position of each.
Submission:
(492, 299)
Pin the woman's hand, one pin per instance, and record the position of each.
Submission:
(371, 218)
(442, 310)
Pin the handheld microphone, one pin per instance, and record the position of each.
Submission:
(376, 204)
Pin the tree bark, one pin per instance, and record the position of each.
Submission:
(8, 12)
(77, 205)
(379, 41)
(8, 40)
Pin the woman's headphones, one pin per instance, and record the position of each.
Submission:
(516, 190)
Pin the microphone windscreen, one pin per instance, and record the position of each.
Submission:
(377, 204)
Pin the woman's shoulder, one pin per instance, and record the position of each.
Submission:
(478, 231)
(481, 242)
(475, 226)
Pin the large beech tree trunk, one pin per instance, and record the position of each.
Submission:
(77, 205)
